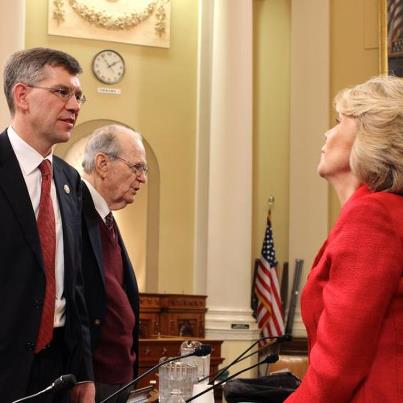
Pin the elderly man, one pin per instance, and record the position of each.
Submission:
(114, 169)
(43, 324)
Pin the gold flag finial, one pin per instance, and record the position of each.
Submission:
(270, 202)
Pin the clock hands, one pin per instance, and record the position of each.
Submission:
(112, 64)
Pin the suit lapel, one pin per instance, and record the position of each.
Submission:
(130, 279)
(125, 257)
(319, 254)
(91, 218)
(63, 191)
(70, 216)
(14, 188)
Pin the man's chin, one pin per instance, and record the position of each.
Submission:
(63, 137)
(130, 199)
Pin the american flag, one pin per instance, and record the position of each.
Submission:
(266, 288)
(395, 22)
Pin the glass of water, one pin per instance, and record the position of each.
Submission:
(202, 363)
(176, 375)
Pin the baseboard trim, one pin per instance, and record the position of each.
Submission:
(231, 324)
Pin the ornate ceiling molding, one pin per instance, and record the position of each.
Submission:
(117, 22)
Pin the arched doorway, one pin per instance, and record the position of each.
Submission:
(139, 222)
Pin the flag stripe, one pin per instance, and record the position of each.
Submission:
(395, 17)
(270, 288)
(266, 288)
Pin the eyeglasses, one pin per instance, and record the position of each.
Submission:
(137, 169)
(63, 93)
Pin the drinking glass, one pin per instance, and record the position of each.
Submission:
(202, 363)
(176, 397)
(176, 375)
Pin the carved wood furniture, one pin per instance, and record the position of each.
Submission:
(172, 315)
(166, 320)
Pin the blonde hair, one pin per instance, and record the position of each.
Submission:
(377, 153)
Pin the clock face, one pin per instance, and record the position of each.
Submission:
(108, 66)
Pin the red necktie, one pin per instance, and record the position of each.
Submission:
(47, 236)
(109, 221)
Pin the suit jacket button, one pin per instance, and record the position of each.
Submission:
(97, 322)
(37, 303)
(29, 346)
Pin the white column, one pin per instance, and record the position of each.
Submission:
(309, 119)
(228, 214)
(205, 40)
(12, 32)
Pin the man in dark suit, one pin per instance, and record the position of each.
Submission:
(114, 169)
(43, 323)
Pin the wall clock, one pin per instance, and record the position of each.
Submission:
(108, 66)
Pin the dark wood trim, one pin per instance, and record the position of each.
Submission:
(297, 346)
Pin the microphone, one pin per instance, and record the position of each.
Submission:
(267, 360)
(200, 351)
(243, 357)
(64, 382)
(279, 339)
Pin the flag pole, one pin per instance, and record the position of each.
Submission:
(266, 286)
(270, 202)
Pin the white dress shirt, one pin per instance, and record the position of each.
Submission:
(99, 202)
(29, 160)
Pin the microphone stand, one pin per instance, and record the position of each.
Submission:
(279, 339)
(267, 360)
(144, 374)
(42, 392)
(62, 383)
(217, 374)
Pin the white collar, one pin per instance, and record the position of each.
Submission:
(28, 158)
(99, 202)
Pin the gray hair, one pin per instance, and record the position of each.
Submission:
(27, 66)
(103, 140)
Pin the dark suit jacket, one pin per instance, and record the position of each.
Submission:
(22, 278)
(94, 287)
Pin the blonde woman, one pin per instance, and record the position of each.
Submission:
(352, 304)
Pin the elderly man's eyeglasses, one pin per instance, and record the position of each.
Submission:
(137, 169)
(63, 93)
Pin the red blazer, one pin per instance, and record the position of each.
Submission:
(352, 306)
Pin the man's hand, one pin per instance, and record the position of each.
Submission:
(83, 393)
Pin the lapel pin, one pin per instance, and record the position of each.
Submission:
(66, 189)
